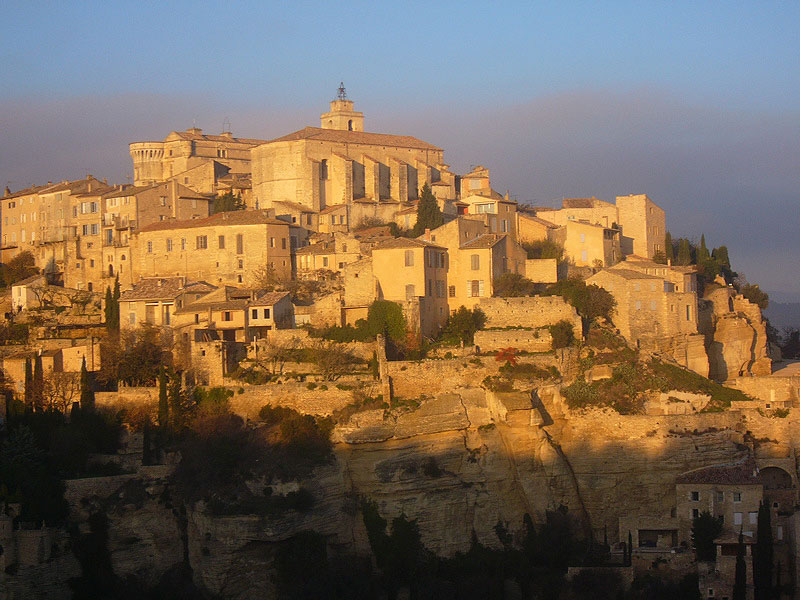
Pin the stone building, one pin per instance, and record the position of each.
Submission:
(647, 305)
(413, 273)
(587, 244)
(640, 221)
(339, 163)
(155, 300)
(194, 158)
(228, 248)
(330, 255)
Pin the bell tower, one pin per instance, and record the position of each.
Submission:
(342, 116)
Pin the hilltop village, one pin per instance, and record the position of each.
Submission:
(328, 353)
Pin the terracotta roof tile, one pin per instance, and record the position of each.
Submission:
(485, 240)
(234, 217)
(402, 242)
(154, 288)
(742, 473)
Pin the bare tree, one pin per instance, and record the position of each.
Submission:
(276, 355)
(81, 299)
(60, 390)
(333, 360)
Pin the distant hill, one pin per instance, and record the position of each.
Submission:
(783, 314)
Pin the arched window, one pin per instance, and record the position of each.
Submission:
(110, 270)
(350, 125)
(323, 169)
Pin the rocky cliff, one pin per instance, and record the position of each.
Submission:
(460, 463)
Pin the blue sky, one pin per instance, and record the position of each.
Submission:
(696, 104)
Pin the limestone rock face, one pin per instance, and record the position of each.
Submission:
(455, 471)
(736, 336)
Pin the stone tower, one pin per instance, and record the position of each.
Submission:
(342, 116)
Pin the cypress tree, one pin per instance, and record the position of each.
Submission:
(702, 252)
(28, 383)
(668, 248)
(175, 399)
(87, 393)
(108, 310)
(163, 403)
(763, 555)
(115, 296)
(37, 393)
(684, 252)
(429, 216)
(630, 550)
(740, 581)
(721, 256)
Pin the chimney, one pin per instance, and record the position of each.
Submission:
(427, 234)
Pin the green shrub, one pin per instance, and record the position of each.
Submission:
(563, 334)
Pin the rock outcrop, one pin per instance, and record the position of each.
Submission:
(736, 335)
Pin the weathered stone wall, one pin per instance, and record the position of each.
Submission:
(534, 312)
(687, 350)
(541, 270)
(768, 388)
(527, 340)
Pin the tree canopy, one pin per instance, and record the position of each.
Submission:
(227, 202)
(590, 301)
(513, 285)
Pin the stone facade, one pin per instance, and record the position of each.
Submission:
(526, 340)
(181, 151)
(340, 163)
(227, 248)
(532, 312)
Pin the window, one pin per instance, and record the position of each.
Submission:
(688, 313)
(440, 288)
(475, 288)
(583, 238)
(201, 242)
(737, 496)
(344, 247)
(266, 313)
(132, 318)
(149, 247)
(272, 242)
(695, 513)
(638, 305)
(410, 291)
(409, 258)
(753, 517)
(226, 316)
(695, 496)
(475, 262)
(504, 226)
(585, 255)
(163, 200)
(239, 243)
(737, 518)
(221, 242)
(283, 243)
(239, 279)
(109, 236)
(183, 243)
(254, 313)
(196, 318)
(324, 261)
(720, 496)
(451, 291)
(169, 244)
(241, 264)
(323, 169)
(652, 304)
(85, 230)
(91, 262)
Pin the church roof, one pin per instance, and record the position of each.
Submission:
(355, 137)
